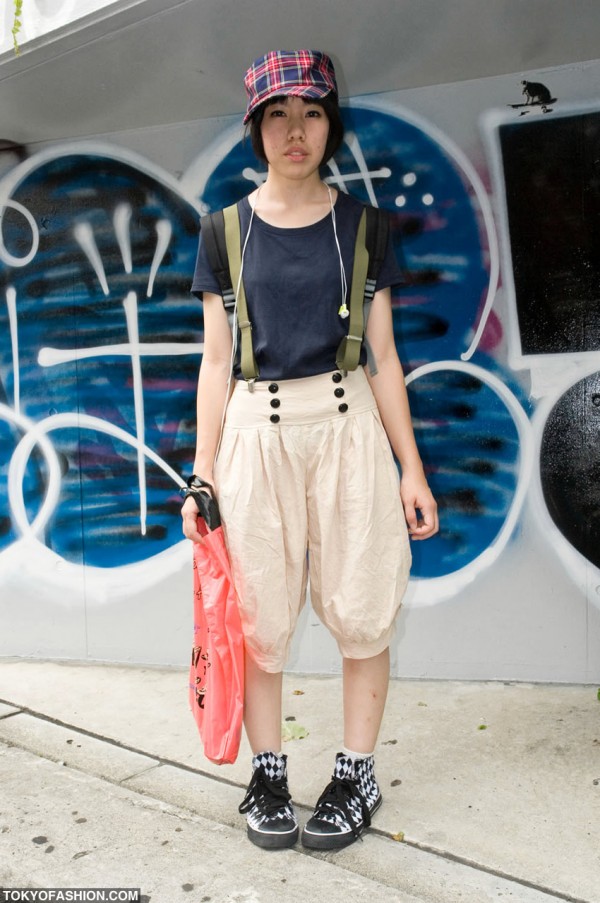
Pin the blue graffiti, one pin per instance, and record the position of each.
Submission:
(100, 223)
(471, 452)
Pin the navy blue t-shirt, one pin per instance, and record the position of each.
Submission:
(293, 289)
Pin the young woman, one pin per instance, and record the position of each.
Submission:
(305, 461)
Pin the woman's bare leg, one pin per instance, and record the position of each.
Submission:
(262, 710)
(366, 683)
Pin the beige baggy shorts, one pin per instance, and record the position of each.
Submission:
(305, 466)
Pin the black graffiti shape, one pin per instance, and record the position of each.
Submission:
(552, 178)
(570, 466)
(537, 93)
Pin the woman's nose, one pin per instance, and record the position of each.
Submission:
(296, 126)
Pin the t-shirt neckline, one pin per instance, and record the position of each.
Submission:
(288, 230)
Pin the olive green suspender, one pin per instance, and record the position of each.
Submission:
(233, 244)
(221, 235)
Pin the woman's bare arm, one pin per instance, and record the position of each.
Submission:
(210, 400)
(390, 393)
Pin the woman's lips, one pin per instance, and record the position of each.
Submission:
(296, 153)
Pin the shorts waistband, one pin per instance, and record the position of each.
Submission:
(312, 399)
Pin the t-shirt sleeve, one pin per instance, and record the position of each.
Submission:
(204, 278)
(390, 273)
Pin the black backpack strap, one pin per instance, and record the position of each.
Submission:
(378, 229)
(212, 227)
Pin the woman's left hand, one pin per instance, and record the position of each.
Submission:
(417, 499)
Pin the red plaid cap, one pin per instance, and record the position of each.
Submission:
(300, 73)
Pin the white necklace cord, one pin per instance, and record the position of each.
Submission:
(343, 311)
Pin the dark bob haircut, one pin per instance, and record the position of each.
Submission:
(330, 106)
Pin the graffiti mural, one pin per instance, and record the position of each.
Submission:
(100, 356)
(551, 222)
(100, 342)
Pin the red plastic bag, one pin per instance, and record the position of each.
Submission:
(217, 670)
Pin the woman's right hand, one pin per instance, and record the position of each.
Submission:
(189, 515)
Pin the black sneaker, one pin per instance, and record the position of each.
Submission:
(272, 823)
(345, 807)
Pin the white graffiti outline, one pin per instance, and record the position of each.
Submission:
(121, 220)
(363, 173)
(472, 176)
(31, 559)
(84, 236)
(50, 357)
(131, 315)
(93, 149)
(54, 473)
(427, 591)
(5, 256)
(35, 433)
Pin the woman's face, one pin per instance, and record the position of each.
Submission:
(294, 134)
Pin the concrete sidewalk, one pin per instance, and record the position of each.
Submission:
(491, 792)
